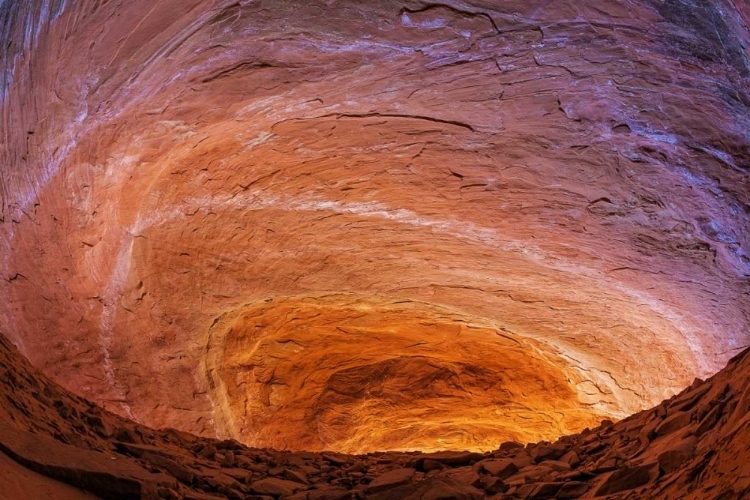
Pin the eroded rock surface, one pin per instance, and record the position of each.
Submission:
(49, 431)
(208, 209)
(355, 374)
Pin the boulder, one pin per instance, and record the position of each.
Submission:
(671, 460)
(572, 459)
(540, 491)
(556, 465)
(228, 460)
(709, 421)
(296, 476)
(104, 475)
(677, 454)
(450, 458)
(391, 479)
(543, 452)
(673, 423)
(466, 476)
(208, 452)
(522, 460)
(336, 458)
(276, 487)
(493, 485)
(500, 468)
(240, 475)
(628, 478)
(429, 465)
(510, 446)
(571, 490)
(180, 472)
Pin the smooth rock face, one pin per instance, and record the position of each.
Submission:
(354, 226)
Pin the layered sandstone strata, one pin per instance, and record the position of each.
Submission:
(359, 374)
(57, 445)
(563, 185)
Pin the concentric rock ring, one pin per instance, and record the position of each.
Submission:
(365, 373)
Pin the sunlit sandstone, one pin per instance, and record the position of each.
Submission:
(365, 225)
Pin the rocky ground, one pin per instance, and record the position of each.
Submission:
(694, 445)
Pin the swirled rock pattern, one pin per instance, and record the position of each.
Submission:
(375, 225)
(420, 378)
(54, 444)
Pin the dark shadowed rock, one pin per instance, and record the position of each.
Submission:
(510, 446)
(572, 489)
(628, 478)
(541, 491)
(543, 452)
(104, 475)
(500, 468)
(673, 423)
(572, 459)
(275, 487)
(493, 485)
(450, 458)
(296, 476)
(556, 465)
(433, 488)
(428, 464)
(336, 458)
(328, 493)
(709, 421)
(677, 454)
(392, 479)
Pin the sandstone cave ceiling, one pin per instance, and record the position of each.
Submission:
(375, 225)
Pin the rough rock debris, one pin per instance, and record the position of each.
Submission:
(64, 446)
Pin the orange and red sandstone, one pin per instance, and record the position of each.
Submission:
(359, 226)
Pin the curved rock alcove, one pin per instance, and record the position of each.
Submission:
(359, 226)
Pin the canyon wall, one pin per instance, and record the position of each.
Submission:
(375, 225)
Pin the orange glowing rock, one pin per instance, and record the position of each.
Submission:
(505, 220)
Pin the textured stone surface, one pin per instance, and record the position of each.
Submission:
(20, 483)
(206, 206)
(49, 430)
(391, 479)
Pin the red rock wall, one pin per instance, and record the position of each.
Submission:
(203, 201)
